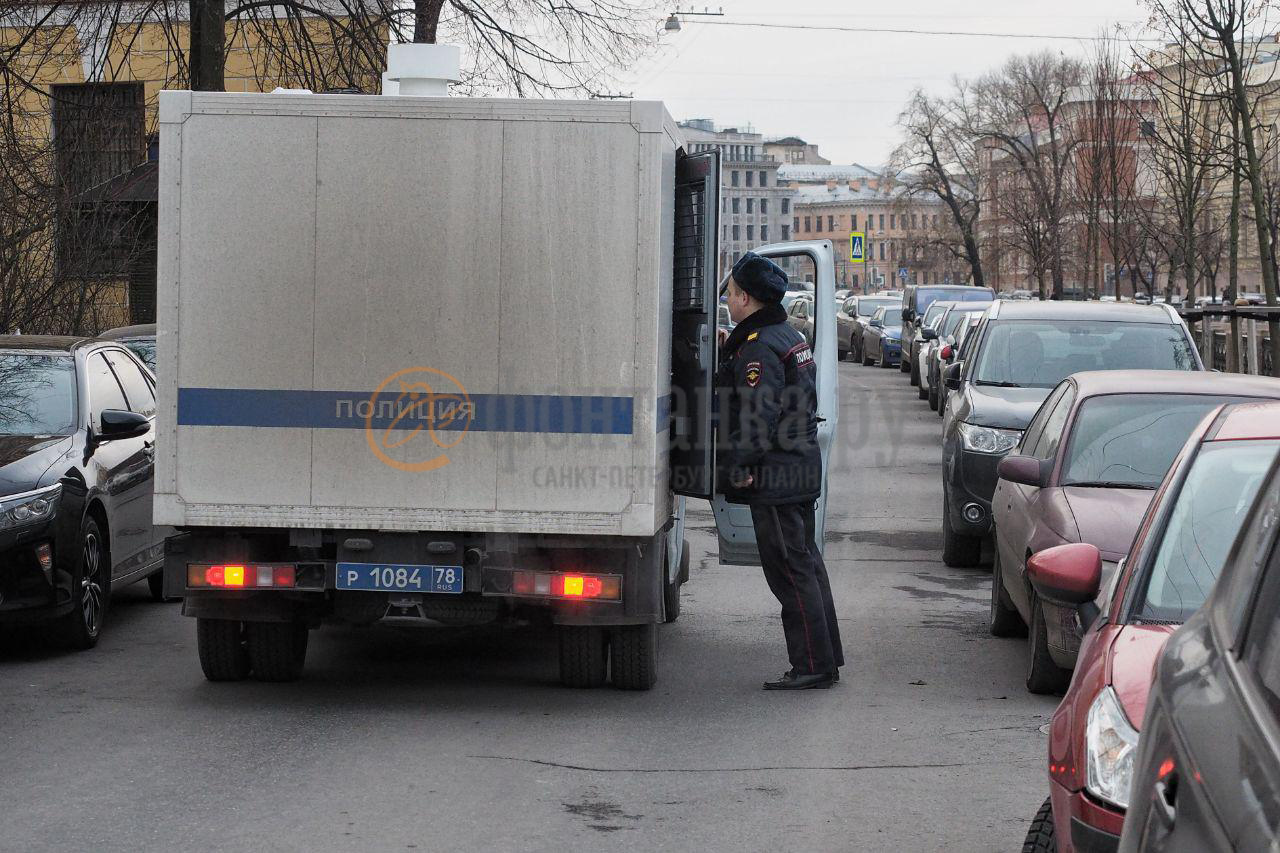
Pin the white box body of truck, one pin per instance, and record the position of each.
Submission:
(329, 262)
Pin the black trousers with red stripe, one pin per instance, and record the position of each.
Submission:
(797, 576)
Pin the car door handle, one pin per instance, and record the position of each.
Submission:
(1165, 804)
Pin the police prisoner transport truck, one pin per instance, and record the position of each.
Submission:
(439, 359)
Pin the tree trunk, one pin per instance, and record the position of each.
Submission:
(975, 262)
(426, 20)
(1233, 263)
(206, 58)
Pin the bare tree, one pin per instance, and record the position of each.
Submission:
(938, 158)
(1023, 112)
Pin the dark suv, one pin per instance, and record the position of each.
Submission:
(916, 300)
(1021, 351)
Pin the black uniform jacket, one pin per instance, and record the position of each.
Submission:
(768, 425)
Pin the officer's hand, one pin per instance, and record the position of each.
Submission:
(745, 482)
(722, 336)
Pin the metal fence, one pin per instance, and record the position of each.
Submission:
(1249, 320)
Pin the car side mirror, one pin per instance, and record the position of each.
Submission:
(117, 424)
(928, 334)
(876, 324)
(908, 315)
(951, 378)
(1068, 574)
(1025, 470)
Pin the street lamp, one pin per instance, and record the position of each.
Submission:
(672, 24)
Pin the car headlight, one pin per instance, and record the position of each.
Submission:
(1111, 745)
(32, 508)
(989, 439)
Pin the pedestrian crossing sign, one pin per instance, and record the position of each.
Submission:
(856, 253)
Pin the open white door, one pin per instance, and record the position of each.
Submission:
(733, 521)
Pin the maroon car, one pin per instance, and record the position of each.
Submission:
(1182, 544)
(1085, 471)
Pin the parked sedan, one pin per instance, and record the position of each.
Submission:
(800, 317)
(76, 469)
(141, 341)
(1024, 349)
(952, 322)
(853, 325)
(882, 340)
(913, 349)
(917, 299)
(1206, 774)
(965, 340)
(1085, 471)
(1182, 545)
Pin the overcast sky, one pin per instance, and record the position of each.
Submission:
(844, 90)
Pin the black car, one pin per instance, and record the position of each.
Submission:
(1207, 772)
(76, 481)
(916, 300)
(141, 340)
(1022, 350)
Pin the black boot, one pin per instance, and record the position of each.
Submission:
(793, 680)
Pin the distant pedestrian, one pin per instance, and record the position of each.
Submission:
(769, 460)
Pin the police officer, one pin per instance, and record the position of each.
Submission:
(769, 460)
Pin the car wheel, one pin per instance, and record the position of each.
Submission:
(913, 367)
(223, 655)
(866, 360)
(903, 364)
(633, 656)
(155, 583)
(584, 656)
(1043, 675)
(921, 391)
(670, 599)
(958, 550)
(933, 396)
(91, 586)
(1040, 836)
(1005, 620)
(277, 650)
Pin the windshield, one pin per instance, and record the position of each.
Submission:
(37, 394)
(935, 311)
(1131, 440)
(1209, 509)
(953, 321)
(867, 307)
(926, 296)
(892, 317)
(146, 350)
(1041, 353)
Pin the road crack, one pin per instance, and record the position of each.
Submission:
(838, 768)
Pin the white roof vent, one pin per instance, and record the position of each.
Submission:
(421, 69)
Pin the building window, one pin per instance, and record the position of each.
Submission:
(786, 205)
(735, 204)
(786, 233)
(764, 205)
(764, 178)
(913, 220)
(795, 224)
(853, 222)
(733, 178)
(935, 220)
(892, 222)
(764, 233)
(817, 223)
(750, 177)
(751, 205)
(735, 232)
(893, 251)
(806, 225)
(751, 233)
(831, 223)
(882, 228)
(882, 246)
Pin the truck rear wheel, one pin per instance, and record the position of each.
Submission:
(223, 655)
(584, 656)
(633, 656)
(277, 650)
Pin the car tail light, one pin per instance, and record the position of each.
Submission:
(558, 585)
(243, 576)
(946, 353)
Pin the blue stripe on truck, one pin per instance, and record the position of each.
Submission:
(251, 407)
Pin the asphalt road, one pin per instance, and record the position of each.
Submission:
(399, 739)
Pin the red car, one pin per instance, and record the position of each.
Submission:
(1181, 545)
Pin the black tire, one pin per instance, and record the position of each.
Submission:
(934, 396)
(1040, 836)
(884, 360)
(91, 587)
(670, 598)
(866, 361)
(958, 550)
(913, 367)
(155, 583)
(854, 355)
(921, 391)
(684, 561)
(223, 655)
(584, 656)
(277, 650)
(1005, 621)
(1044, 677)
(633, 656)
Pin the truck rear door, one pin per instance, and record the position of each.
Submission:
(733, 521)
(693, 325)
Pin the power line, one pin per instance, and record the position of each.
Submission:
(901, 31)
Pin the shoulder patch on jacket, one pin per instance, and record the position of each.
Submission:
(753, 374)
(753, 336)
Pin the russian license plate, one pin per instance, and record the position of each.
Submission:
(398, 577)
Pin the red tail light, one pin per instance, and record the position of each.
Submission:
(556, 585)
(946, 353)
(243, 576)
